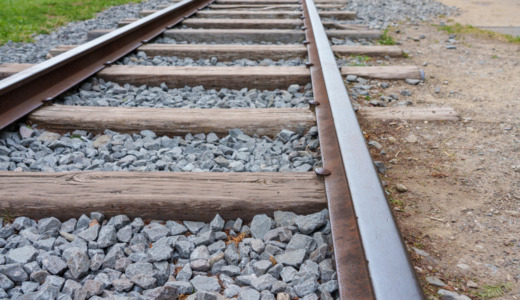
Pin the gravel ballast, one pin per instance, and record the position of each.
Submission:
(97, 92)
(380, 14)
(95, 258)
(141, 59)
(36, 150)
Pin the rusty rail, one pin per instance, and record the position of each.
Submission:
(56, 75)
(371, 259)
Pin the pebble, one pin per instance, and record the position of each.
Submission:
(288, 152)
(406, 93)
(401, 188)
(141, 59)
(412, 81)
(155, 263)
(435, 281)
(260, 225)
(114, 95)
(380, 166)
(451, 47)
(411, 138)
(452, 295)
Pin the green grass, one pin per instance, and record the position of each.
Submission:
(20, 20)
(468, 29)
(386, 39)
(492, 291)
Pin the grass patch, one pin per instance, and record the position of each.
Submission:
(492, 291)
(20, 20)
(386, 39)
(359, 60)
(471, 30)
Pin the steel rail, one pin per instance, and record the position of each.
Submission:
(391, 273)
(351, 267)
(26, 91)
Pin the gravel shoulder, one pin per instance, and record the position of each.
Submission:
(458, 209)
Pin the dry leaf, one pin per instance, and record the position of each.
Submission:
(93, 222)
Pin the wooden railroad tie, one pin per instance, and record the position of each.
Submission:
(259, 77)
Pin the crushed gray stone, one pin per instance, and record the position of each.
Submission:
(97, 92)
(82, 151)
(159, 261)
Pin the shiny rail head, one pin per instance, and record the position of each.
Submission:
(391, 272)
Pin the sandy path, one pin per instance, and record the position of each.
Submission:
(484, 13)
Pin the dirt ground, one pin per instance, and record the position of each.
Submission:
(460, 215)
(487, 12)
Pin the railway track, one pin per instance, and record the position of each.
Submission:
(370, 257)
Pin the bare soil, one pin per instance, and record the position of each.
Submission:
(487, 12)
(462, 207)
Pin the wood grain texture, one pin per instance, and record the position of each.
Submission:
(172, 121)
(273, 14)
(224, 52)
(274, 2)
(435, 113)
(393, 51)
(243, 23)
(260, 7)
(270, 78)
(234, 23)
(253, 24)
(160, 195)
(384, 72)
(222, 36)
(232, 77)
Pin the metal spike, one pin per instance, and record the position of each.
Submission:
(322, 171)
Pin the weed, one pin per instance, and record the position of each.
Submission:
(468, 29)
(358, 60)
(406, 55)
(386, 39)
(492, 291)
(7, 216)
(494, 56)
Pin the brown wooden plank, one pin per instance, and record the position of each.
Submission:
(7, 70)
(223, 36)
(243, 23)
(344, 2)
(252, 24)
(159, 195)
(435, 113)
(254, 7)
(257, 35)
(344, 50)
(235, 23)
(259, 77)
(224, 52)
(384, 72)
(172, 121)
(275, 2)
(274, 14)
(272, 77)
